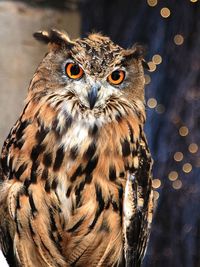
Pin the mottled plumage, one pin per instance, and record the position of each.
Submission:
(75, 169)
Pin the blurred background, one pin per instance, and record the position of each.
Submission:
(170, 30)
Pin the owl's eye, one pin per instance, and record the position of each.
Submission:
(74, 71)
(116, 77)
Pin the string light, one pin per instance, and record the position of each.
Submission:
(165, 12)
(183, 131)
(152, 3)
(147, 79)
(157, 59)
(187, 167)
(193, 148)
(177, 184)
(178, 39)
(178, 156)
(152, 103)
(156, 183)
(173, 175)
(152, 66)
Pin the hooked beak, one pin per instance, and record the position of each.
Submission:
(92, 95)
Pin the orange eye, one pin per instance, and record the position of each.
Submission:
(74, 71)
(116, 77)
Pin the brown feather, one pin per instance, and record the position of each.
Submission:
(65, 167)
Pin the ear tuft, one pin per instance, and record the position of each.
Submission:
(60, 35)
(136, 52)
(54, 36)
(42, 36)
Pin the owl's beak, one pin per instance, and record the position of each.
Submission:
(92, 95)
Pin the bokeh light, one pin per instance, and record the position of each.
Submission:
(193, 148)
(173, 175)
(147, 79)
(165, 12)
(152, 102)
(152, 66)
(178, 39)
(178, 156)
(156, 183)
(177, 184)
(156, 195)
(152, 3)
(157, 59)
(187, 167)
(183, 131)
(160, 109)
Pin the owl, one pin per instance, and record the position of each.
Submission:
(75, 177)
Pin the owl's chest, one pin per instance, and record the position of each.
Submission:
(93, 170)
(95, 164)
(90, 191)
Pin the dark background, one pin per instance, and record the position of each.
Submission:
(173, 109)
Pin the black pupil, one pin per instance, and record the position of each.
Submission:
(115, 75)
(75, 69)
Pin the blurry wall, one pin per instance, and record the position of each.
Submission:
(20, 53)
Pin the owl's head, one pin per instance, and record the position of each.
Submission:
(90, 77)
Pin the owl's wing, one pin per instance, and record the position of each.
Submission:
(6, 240)
(138, 208)
(6, 227)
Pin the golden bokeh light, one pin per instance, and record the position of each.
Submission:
(178, 156)
(183, 131)
(152, 102)
(193, 1)
(193, 148)
(178, 39)
(152, 66)
(165, 12)
(157, 59)
(152, 2)
(147, 79)
(156, 195)
(187, 167)
(173, 175)
(156, 183)
(177, 184)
